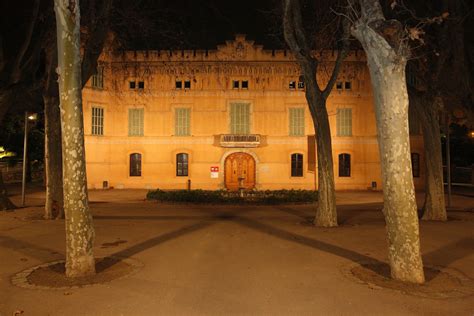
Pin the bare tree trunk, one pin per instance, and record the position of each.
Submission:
(53, 159)
(387, 60)
(326, 214)
(5, 203)
(52, 132)
(434, 208)
(79, 229)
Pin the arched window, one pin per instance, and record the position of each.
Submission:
(182, 165)
(415, 164)
(344, 165)
(135, 165)
(296, 165)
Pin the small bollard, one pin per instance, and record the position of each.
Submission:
(189, 184)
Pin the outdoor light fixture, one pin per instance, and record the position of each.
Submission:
(33, 117)
(28, 117)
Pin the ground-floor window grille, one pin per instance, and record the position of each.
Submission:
(182, 165)
(296, 165)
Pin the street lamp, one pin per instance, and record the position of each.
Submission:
(28, 117)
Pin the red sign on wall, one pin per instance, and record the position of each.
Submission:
(214, 169)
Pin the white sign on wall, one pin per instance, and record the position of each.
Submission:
(214, 172)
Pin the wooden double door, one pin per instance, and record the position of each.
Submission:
(239, 171)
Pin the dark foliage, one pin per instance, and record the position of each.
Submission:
(226, 197)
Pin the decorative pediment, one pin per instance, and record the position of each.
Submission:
(239, 49)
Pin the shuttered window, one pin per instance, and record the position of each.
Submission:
(135, 122)
(182, 165)
(97, 121)
(98, 78)
(296, 122)
(135, 165)
(240, 118)
(182, 122)
(344, 165)
(344, 122)
(296, 165)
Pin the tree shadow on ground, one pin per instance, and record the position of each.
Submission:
(298, 213)
(449, 253)
(150, 243)
(308, 242)
(217, 215)
(27, 248)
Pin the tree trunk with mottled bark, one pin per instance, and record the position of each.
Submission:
(79, 229)
(53, 207)
(434, 208)
(386, 58)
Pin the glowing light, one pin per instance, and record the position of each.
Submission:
(33, 117)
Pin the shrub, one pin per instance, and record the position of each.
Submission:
(229, 197)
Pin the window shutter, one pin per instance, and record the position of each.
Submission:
(296, 121)
(135, 122)
(97, 121)
(312, 153)
(240, 118)
(344, 122)
(182, 122)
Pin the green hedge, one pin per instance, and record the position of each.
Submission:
(227, 197)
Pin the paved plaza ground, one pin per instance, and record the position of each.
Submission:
(224, 260)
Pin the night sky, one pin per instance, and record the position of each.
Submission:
(199, 24)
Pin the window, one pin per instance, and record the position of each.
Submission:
(135, 122)
(179, 85)
(344, 122)
(415, 164)
(348, 85)
(135, 165)
(97, 121)
(344, 165)
(339, 85)
(182, 120)
(237, 84)
(141, 85)
(292, 85)
(187, 84)
(132, 84)
(296, 121)
(182, 165)
(240, 118)
(98, 78)
(296, 165)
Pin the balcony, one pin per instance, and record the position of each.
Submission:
(235, 140)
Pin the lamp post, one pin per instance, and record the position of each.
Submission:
(28, 117)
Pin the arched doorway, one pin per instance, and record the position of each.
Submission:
(239, 167)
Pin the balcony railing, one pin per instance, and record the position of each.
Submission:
(236, 140)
